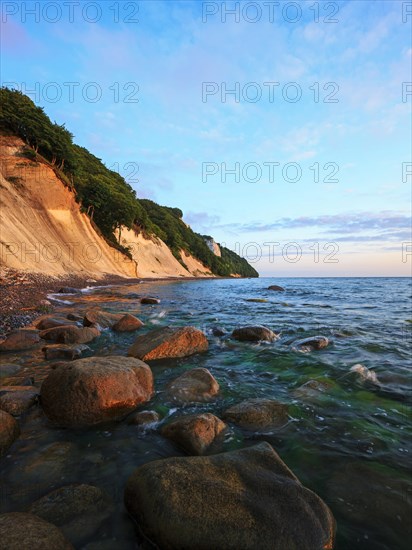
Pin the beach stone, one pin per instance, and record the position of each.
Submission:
(127, 323)
(194, 386)
(95, 389)
(74, 317)
(149, 300)
(52, 322)
(78, 510)
(168, 342)
(276, 288)
(244, 499)
(313, 343)
(70, 334)
(257, 414)
(21, 531)
(312, 389)
(65, 351)
(9, 370)
(9, 432)
(103, 319)
(17, 399)
(195, 433)
(257, 300)
(254, 334)
(20, 340)
(143, 418)
(217, 331)
(69, 290)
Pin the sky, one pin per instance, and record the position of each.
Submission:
(282, 129)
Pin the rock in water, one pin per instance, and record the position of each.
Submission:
(244, 499)
(149, 300)
(20, 340)
(254, 334)
(17, 399)
(194, 386)
(144, 419)
(70, 334)
(195, 433)
(9, 432)
(257, 414)
(19, 531)
(64, 351)
(168, 342)
(53, 322)
(313, 343)
(127, 323)
(104, 319)
(95, 389)
(276, 288)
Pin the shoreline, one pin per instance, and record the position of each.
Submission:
(24, 296)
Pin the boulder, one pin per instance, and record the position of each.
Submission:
(103, 319)
(69, 290)
(257, 300)
(312, 343)
(70, 334)
(257, 414)
(194, 386)
(218, 331)
(276, 288)
(64, 351)
(95, 389)
(52, 322)
(17, 399)
(244, 499)
(312, 389)
(195, 433)
(9, 370)
(20, 340)
(78, 510)
(9, 432)
(144, 418)
(75, 317)
(149, 300)
(254, 334)
(127, 323)
(20, 531)
(168, 342)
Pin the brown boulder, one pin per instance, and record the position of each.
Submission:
(195, 433)
(20, 531)
(143, 418)
(70, 334)
(276, 288)
(167, 342)
(244, 499)
(52, 322)
(194, 386)
(149, 300)
(95, 389)
(127, 323)
(17, 399)
(20, 340)
(254, 334)
(64, 351)
(256, 414)
(103, 319)
(9, 432)
(312, 343)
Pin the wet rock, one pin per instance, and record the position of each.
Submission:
(9, 432)
(258, 414)
(143, 418)
(65, 351)
(9, 370)
(276, 288)
(194, 386)
(50, 464)
(78, 510)
(95, 389)
(20, 531)
(194, 433)
(257, 300)
(74, 317)
(20, 340)
(149, 300)
(128, 323)
(254, 334)
(69, 290)
(103, 319)
(312, 389)
(218, 331)
(244, 499)
(312, 343)
(52, 322)
(17, 399)
(168, 342)
(70, 334)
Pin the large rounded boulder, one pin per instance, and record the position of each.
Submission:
(9, 431)
(254, 333)
(244, 499)
(168, 342)
(20, 531)
(95, 389)
(258, 414)
(193, 386)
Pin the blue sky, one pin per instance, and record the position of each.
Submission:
(317, 95)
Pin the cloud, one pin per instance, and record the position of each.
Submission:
(201, 221)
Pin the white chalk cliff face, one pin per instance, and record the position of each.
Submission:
(213, 246)
(42, 229)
